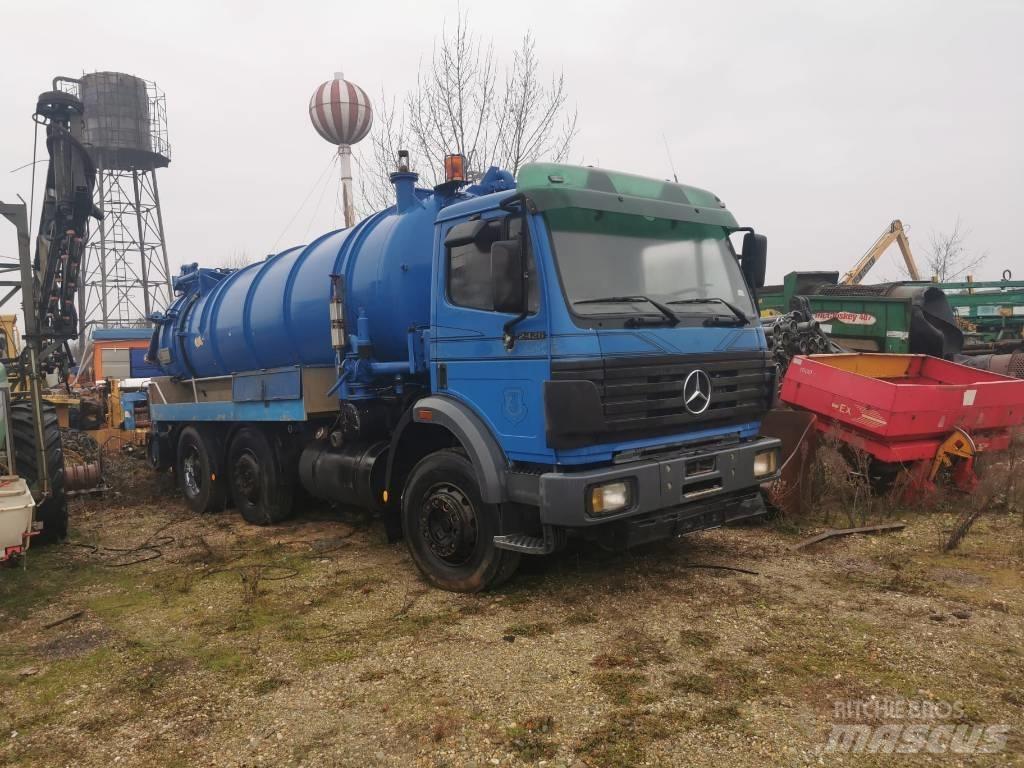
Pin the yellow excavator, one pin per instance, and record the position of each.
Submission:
(894, 233)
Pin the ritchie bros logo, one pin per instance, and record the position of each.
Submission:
(934, 727)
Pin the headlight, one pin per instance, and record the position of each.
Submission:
(765, 462)
(610, 497)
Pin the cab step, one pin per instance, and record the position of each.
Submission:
(530, 545)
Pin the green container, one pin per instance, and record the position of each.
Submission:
(987, 311)
(864, 323)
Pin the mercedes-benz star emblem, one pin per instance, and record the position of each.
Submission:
(697, 392)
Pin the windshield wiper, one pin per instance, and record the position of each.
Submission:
(668, 313)
(741, 317)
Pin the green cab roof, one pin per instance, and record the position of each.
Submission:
(553, 185)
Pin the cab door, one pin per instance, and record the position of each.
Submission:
(499, 377)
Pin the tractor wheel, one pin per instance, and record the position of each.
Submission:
(53, 512)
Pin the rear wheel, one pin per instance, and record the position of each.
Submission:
(53, 511)
(197, 463)
(449, 529)
(259, 487)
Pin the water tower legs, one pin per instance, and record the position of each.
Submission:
(127, 275)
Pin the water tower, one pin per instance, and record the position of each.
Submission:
(341, 113)
(126, 272)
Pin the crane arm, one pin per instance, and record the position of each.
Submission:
(894, 233)
(908, 257)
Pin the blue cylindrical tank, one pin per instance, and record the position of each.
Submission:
(276, 313)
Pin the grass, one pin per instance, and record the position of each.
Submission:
(621, 741)
(632, 648)
(720, 714)
(444, 726)
(692, 683)
(734, 678)
(269, 685)
(620, 687)
(530, 629)
(530, 739)
(580, 618)
(695, 638)
(48, 576)
(624, 659)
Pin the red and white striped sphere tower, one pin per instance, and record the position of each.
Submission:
(341, 113)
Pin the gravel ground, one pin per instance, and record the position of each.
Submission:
(207, 642)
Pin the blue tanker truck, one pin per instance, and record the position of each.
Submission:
(492, 368)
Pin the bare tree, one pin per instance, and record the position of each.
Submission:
(466, 103)
(948, 258)
(536, 122)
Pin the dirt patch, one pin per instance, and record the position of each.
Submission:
(317, 643)
(71, 643)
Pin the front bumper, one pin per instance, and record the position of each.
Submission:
(706, 479)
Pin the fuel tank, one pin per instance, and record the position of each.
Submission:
(276, 312)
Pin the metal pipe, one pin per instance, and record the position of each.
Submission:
(86, 359)
(5, 404)
(142, 244)
(103, 250)
(155, 383)
(163, 238)
(37, 412)
(345, 158)
(17, 215)
(210, 378)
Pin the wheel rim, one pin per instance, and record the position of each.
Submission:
(246, 477)
(448, 524)
(192, 471)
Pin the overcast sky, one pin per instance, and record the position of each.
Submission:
(817, 122)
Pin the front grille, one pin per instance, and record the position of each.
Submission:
(643, 396)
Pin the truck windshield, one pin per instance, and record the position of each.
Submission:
(610, 262)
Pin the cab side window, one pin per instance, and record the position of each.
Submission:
(469, 267)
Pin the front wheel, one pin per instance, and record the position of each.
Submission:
(449, 529)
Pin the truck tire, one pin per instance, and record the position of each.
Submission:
(449, 529)
(53, 512)
(196, 465)
(259, 487)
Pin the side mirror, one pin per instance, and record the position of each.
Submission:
(464, 233)
(755, 258)
(508, 278)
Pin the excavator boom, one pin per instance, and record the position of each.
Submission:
(894, 233)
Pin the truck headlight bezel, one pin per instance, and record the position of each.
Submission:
(610, 498)
(766, 463)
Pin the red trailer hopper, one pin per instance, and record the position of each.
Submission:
(907, 408)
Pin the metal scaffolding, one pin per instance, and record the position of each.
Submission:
(126, 271)
(127, 275)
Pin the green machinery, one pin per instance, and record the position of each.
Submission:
(881, 318)
(854, 315)
(989, 312)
